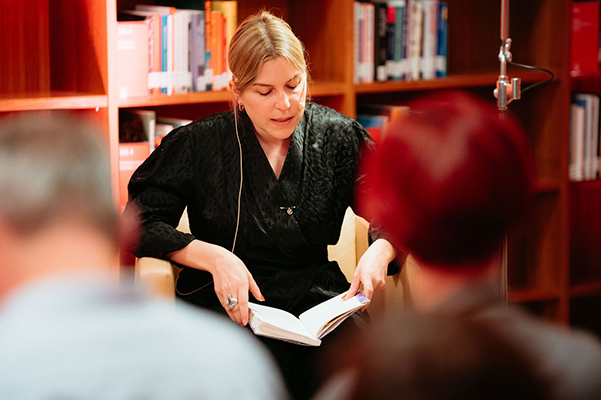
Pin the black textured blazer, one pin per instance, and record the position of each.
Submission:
(285, 224)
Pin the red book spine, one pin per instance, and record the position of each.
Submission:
(585, 37)
(131, 155)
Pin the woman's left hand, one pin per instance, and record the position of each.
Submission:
(371, 269)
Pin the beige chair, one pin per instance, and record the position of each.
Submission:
(159, 275)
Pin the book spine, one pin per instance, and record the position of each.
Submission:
(229, 9)
(584, 45)
(369, 42)
(441, 53)
(430, 36)
(164, 53)
(357, 12)
(586, 100)
(390, 18)
(197, 51)
(595, 138)
(170, 52)
(380, 42)
(155, 55)
(405, 15)
(208, 46)
(131, 156)
(416, 40)
(180, 48)
(217, 48)
(577, 141)
(132, 59)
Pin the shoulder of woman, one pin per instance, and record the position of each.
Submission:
(200, 131)
(208, 124)
(325, 117)
(203, 133)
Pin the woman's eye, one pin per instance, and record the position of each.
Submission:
(292, 87)
(265, 93)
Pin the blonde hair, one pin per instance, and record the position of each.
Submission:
(262, 37)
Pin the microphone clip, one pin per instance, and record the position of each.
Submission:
(507, 90)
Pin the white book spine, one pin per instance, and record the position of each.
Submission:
(430, 37)
(416, 40)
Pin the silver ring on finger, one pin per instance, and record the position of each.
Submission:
(231, 302)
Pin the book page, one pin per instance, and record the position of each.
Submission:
(331, 313)
(274, 320)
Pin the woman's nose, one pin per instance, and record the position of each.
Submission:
(283, 101)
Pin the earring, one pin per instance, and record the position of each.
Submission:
(240, 107)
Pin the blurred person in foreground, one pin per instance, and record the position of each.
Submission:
(67, 329)
(435, 357)
(446, 184)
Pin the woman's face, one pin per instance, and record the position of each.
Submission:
(275, 102)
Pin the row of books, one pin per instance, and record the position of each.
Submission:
(584, 137)
(400, 40)
(168, 50)
(140, 132)
(585, 46)
(376, 118)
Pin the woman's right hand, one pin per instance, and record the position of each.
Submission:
(230, 275)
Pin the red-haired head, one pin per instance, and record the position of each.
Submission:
(448, 180)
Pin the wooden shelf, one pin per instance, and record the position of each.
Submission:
(317, 89)
(586, 289)
(530, 295)
(586, 185)
(589, 82)
(221, 96)
(325, 88)
(53, 101)
(451, 82)
(546, 187)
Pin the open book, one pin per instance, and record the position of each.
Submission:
(310, 326)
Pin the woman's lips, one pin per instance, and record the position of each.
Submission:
(282, 121)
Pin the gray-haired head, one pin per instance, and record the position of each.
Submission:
(51, 167)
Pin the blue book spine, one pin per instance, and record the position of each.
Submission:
(164, 44)
(403, 23)
(441, 52)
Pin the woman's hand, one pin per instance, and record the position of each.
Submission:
(230, 275)
(371, 269)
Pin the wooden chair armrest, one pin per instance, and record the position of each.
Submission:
(157, 276)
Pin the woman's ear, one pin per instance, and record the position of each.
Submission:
(236, 93)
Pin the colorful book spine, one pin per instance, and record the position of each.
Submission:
(218, 41)
(164, 53)
(208, 46)
(229, 10)
(441, 52)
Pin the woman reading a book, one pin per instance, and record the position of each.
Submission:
(266, 186)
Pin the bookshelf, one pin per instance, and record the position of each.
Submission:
(61, 57)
